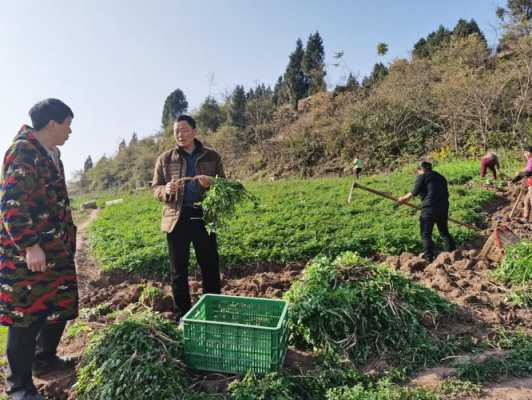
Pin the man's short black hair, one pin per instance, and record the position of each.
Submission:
(49, 110)
(191, 121)
(425, 165)
(528, 148)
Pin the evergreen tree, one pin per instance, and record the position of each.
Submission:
(464, 29)
(352, 83)
(88, 164)
(209, 116)
(313, 64)
(279, 91)
(295, 79)
(134, 139)
(175, 104)
(237, 111)
(377, 75)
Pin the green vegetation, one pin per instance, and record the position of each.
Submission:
(323, 384)
(294, 220)
(517, 362)
(76, 328)
(383, 390)
(516, 265)
(452, 388)
(137, 358)
(221, 200)
(516, 269)
(351, 305)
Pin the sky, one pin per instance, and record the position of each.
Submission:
(114, 62)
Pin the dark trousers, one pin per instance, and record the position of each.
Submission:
(191, 229)
(427, 221)
(38, 341)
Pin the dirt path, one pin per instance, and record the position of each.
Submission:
(86, 267)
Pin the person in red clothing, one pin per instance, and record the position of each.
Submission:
(489, 161)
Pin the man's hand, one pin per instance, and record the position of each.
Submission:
(171, 187)
(35, 258)
(204, 180)
(404, 199)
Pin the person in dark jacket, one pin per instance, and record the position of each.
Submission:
(38, 286)
(182, 214)
(432, 188)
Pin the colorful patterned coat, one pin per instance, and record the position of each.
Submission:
(34, 208)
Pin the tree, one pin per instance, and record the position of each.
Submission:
(463, 29)
(134, 139)
(382, 49)
(209, 116)
(88, 164)
(517, 22)
(294, 77)
(280, 95)
(313, 64)
(426, 47)
(377, 75)
(237, 111)
(175, 104)
(352, 83)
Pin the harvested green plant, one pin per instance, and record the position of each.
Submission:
(135, 359)
(383, 390)
(221, 200)
(350, 304)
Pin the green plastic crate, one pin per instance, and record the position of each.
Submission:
(236, 334)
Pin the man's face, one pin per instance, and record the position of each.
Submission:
(528, 154)
(61, 132)
(184, 134)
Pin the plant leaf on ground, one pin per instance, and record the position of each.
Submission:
(135, 359)
(350, 304)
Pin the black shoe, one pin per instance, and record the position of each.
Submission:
(25, 394)
(54, 363)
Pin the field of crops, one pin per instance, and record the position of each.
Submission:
(294, 220)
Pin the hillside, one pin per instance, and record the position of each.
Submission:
(454, 96)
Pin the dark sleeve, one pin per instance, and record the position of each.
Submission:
(528, 173)
(420, 182)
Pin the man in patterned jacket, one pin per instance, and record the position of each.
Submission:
(38, 287)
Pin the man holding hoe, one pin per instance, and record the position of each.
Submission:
(432, 188)
(181, 177)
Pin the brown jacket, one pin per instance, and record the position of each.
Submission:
(172, 164)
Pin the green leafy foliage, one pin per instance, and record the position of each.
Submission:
(294, 220)
(221, 200)
(516, 268)
(383, 390)
(135, 359)
(352, 305)
(518, 362)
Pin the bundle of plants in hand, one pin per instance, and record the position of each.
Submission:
(364, 310)
(221, 200)
(134, 359)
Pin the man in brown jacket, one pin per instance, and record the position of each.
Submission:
(182, 215)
